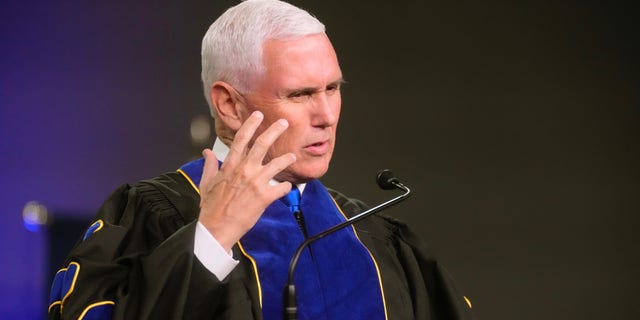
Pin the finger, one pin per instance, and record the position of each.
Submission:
(276, 165)
(241, 140)
(281, 189)
(262, 144)
(210, 165)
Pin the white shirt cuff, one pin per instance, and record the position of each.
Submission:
(211, 254)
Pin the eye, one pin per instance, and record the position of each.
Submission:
(297, 94)
(300, 95)
(333, 88)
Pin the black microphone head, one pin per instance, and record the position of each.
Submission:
(386, 180)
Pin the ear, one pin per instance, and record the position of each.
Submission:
(228, 107)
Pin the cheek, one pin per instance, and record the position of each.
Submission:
(290, 138)
(336, 102)
(284, 143)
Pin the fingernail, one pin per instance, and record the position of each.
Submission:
(257, 114)
(284, 122)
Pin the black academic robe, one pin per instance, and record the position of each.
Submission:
(137, 262)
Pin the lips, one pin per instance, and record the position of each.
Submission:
(318, 148)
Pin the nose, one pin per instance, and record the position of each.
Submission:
(325, 110)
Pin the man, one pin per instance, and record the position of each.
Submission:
(214, 239)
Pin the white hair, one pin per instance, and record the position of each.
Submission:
(232, 47)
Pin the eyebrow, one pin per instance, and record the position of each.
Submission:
(289, 92)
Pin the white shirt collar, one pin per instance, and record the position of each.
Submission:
(221, 151)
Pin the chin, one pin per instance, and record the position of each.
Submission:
(302, 174)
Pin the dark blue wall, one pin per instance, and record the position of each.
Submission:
(92, 96)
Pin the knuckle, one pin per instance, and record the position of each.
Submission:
(257, 188)
(261, 142)
(236, 148)
(241, 135)
(244, 175)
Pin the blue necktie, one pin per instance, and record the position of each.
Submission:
(292, 199)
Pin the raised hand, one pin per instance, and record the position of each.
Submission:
(233, 198)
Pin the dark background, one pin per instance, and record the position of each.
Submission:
(516, 124)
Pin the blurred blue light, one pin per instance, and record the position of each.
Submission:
(33, 227)
(34, 216)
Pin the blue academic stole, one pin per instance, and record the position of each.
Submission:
(336, 277)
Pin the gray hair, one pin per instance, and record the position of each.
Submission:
(232, 47)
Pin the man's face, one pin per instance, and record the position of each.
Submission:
(302, 85)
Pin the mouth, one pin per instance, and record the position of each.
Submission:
(317, 148)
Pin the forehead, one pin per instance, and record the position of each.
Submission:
(306, 61)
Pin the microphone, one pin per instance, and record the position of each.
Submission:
(387, 181)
